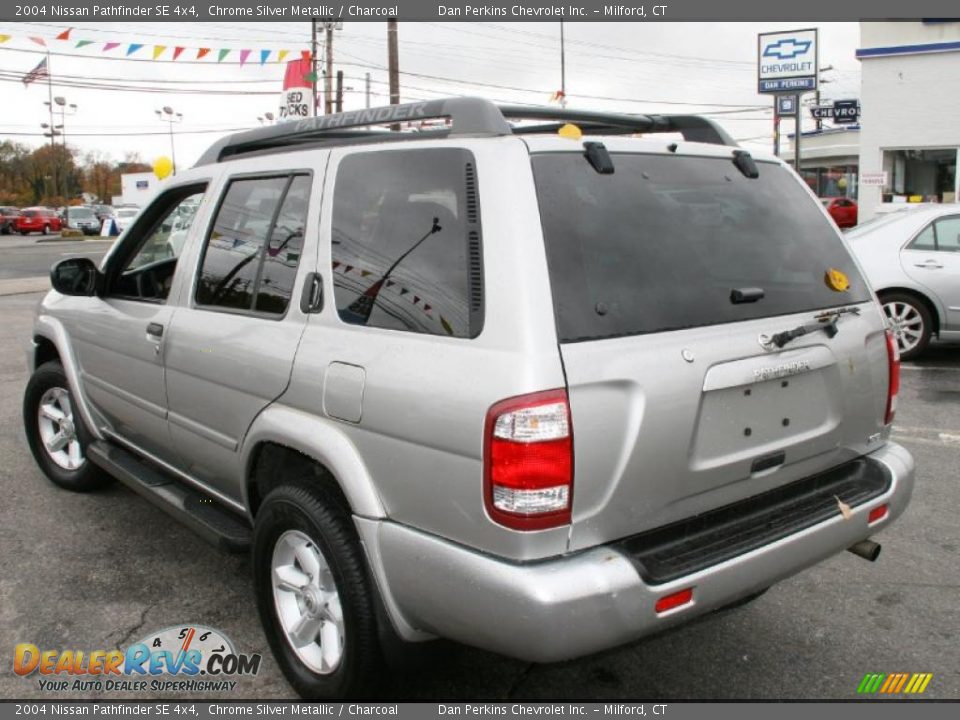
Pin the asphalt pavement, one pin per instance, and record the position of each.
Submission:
(33, 255)
(102, 570)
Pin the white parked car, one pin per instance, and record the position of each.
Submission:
(124, 216)
(912, 260)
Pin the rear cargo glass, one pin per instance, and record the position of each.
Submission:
(661, 243)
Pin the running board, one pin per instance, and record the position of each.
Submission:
(203, 515)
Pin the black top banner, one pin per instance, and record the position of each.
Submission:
(69, 11)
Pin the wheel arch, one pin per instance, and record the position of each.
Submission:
(51, 342)
(932, 307)
(282, 435)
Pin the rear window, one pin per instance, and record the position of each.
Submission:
(661, 243)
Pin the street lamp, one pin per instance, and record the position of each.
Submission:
(170, 117)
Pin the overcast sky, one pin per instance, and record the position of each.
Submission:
(632, 67)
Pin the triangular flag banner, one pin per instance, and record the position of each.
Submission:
(390, 283)
(403, 291)
(264, 54)
(416, 299)
(177, 51)
(133, 48)
(446, 325)
(4, 38)
(427, 308)
(201, 52)
(38, 41)
(348, 268)
(336, 264)
(310, 77)
(110, 46)
(158, 50)
(81, 43)
(65, 35)
(244, 54)
(222, 54)
(282, 54)
(364, 273)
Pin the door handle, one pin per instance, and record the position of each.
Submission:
(931, 264)
(155, 330)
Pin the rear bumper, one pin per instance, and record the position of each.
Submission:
(593, 600)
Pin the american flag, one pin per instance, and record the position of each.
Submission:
(40, 71)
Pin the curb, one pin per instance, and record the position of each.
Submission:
(24, 286)
(85, 238)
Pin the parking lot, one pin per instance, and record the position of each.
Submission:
(102, 570)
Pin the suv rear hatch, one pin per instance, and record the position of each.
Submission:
(677, 406)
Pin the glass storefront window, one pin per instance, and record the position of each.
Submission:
(928, 175)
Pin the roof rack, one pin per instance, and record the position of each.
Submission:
(467, 117)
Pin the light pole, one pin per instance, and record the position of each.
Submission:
(170, 117)
(59, 104)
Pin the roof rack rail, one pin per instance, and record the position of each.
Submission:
(467, 117)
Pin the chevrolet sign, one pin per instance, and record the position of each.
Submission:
(787, 62)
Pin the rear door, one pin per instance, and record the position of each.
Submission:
(665, 276)
(933, 259)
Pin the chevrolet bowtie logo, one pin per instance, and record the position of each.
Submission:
(787, 48)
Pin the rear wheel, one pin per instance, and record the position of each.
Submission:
(56, 433)
(314, 594)
(46, 229)
(910, 321)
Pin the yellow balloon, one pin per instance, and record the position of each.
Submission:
(162, 167)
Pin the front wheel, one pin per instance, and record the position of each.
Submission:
(314, 595)
(910, 322)
(56, 433)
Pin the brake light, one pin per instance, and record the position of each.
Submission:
(893, 386)
(877, 514)
(528, 461)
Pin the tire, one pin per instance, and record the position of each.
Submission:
(46, 229)
(24, 232)
(49, 418)
(328, 592)
(910, 321)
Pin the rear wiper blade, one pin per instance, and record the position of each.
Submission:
(825, 321)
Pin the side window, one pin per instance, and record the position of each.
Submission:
(251, 256)
(948, 234)
(148, 261)
(926, 240)
(406, 242)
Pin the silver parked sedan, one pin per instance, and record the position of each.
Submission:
(912, 260)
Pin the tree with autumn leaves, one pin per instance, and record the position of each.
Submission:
(53, 175)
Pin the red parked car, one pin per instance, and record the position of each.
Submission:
(842, 210)
(38, 219)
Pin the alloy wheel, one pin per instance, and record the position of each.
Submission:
(58, 431)
(906, 323)
(307, 602)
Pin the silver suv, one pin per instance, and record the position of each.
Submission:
(518, 378)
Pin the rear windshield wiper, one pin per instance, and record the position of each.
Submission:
(826, 321)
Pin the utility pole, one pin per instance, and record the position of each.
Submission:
(328, 78)
(169, 116)
(563, 70)
(313, 63)
(367, 92)
(339, 91)
(393, 65)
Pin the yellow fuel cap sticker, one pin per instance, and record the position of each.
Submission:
(570, 132)
(837, 280)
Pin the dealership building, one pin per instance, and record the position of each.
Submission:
(910, 124)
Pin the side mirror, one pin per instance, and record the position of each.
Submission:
(74, 276)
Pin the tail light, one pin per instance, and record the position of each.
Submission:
(893, 386)
(528, 461)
